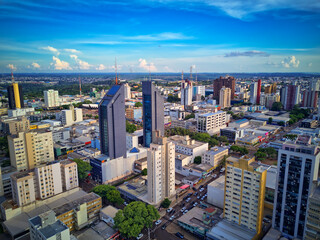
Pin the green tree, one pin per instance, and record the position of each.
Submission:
(134, 217)
(223, 139)
(144, 172)
(270, 119)
(260, 155)
(130, 128)
(189, 116)
(203, 98)
(138, 104)
(83, 168)
(166, 203)
(96, 117)
(277, 106)
(197, 160)
(282, 123)
(173, 98)
(109, 193)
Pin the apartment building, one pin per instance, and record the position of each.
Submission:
(161, 169)
(225, 97)
(244, 193)
(69, 174)
(51, 98)
(80, 212)
(298, 167)
(312, 228)
(186, 93)
(212, 122)
(24, 188)
(215, 156)
(15, 125)
(188, 146)
(46, 227)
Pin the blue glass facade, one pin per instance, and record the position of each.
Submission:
(147, 111)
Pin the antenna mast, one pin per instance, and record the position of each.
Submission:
(182, 75)
(116, 70)
(190, 73)
(80, 85)
(12, 77)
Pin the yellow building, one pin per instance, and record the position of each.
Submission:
(81, 212)
(244, 193)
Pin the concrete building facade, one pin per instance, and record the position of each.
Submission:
(186, 93)
(215, 156)
(211, 122)
(225, 97)
(161, 169)
(51, 98)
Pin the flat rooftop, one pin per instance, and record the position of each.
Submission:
(231, 231)
(218, 183)
(53, 229)
(179, 139)
(194, 218)
(136, 187)
(216, 150)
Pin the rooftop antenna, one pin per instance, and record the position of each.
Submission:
(80, 85)
(116, 70)
(182, 75)
(190, 73)
(12, 77)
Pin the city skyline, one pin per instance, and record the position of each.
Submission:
(160, 36)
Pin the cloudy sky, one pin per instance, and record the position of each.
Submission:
(160, 35)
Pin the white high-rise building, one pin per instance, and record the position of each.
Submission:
(253, 92)
(199, 90)
(127, 91)
(315, 85)
(69, 174)
(51, 98)
(161, 169)
(186, 93)
(212, 122)
(225, 97)
(67, 117)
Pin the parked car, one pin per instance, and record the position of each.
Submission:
(195, 204)
(188, 200)
(164, 226)
(194, 189)
(266, 220)
(182, 209)
(222, 170)
(189, 195)
(185, 211)
(179, 235)
(158, 222)
(215, 175)
(169, 210)
(195, 194)
(172, 217)
(140, 236)
(125, 203)
(198, 197)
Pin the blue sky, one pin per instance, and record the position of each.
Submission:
(160, 35)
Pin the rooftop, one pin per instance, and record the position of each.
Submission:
(194, 218)
(53, 229)
(110, 211)
(216, 150)
(211, 114)
(218, 183)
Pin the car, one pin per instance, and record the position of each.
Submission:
(158, 222)
(195, 204)
(195, 194)
(201, 189)
(185, 211)
(140, 236)
(172, 217)
(189, 195)
(182, 209)
(198, 197)
(268, 216)
(214, 175)
(179, 235)
(222, 170)
(201, 186)
(164, 226)
(169, 210)
(194, 189)
(173, 211)
(125, 203)
(188, 200)
(266, 220)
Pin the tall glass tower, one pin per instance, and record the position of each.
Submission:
(153, 112)
(112, 123)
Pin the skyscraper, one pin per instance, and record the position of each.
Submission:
(51, 98)
(186, 93)
(298, 167)
(153, 112)
(290, 96)
(225, 97)
(310, 99)
(245, 192)
(271, 88)
(253, 92)
(112, 123)
(161, 168)
(15, 96)
(228, 82)
(258, 91)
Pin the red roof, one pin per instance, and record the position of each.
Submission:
(184, 186)
(210, 210)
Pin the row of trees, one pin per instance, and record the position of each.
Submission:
(109, 194)
(214, 140)
(173, 98)
(264, 153)
(297, 114)
(130, 128)
(239, 149)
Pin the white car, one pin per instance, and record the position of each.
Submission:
(214, 175)
(169, 209)
(158, 222)
(182, 209)
(222, 170)
(185, 211)
(172, 217)
(195, 204)
(140, 236)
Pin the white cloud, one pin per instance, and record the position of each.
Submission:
(72, 50)
(101, 67)
(12, 67)
(35, 65)
(60, 65)
(82, 64)
(147, 66)
(289, 62)
(310, 65)
(159, 37)
(51, 49)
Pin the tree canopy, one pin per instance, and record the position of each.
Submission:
(134, 217)
(109, 193)
(197, 160)
(83, 168)
(189, 116)
(138, 104)
(130, 128)
(166, 203)
(241, 150)
(173, 98)
(277, 106)
(144, 172)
